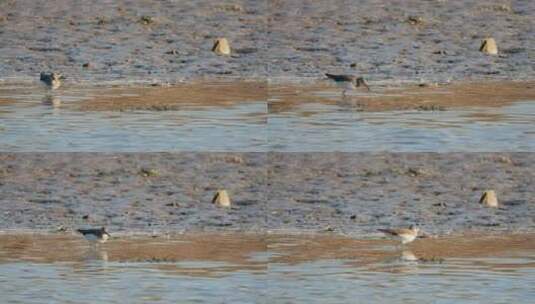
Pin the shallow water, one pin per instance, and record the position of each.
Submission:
(285, 270)
(461, 280)
(320, 127)
(34, 123)
(43, 128)
(101, 282)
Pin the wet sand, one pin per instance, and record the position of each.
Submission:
(279, 98)
(333, 193)
(177, 97)
(259, 268)
(154, 41)
(243, 250)
(235, 249)
(425, 97)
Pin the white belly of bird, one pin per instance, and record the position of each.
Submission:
(407, 238)
(55, 84)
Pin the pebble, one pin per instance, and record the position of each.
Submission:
(489, 199)
(489, 46)
(221, 199)
(221, 46)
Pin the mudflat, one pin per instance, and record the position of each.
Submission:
(279, 50)
(425, 97)
(240, 249)
(342, 193)
(155, 41)
(176, 97)
(278, 97)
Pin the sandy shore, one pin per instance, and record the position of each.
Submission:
(341, 193)
(284, 98)
(168, 41)
(278, 97)
(176, 97)
(425, 97)
(239, 250)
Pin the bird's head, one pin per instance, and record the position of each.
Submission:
(103, 230)
(56, 76)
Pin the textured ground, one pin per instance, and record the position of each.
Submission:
(348, 193)
(159, 41)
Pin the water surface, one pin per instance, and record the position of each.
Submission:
(36, 122)
(316, 127)
(265, 270)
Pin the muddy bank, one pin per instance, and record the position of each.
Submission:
(267, 268)
(425, 97)
(254, 252)
(278, 97)
(393, 40)
(142, 192)
(281, 98)
(149, 41)
(341, 193)
(155, 41)
(354, 192)
(235, 249)
(433, 97)
(177, 97)
(307, 248)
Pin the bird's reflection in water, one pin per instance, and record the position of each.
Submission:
(408, 256)
(96, 253)
(350, 104)
(52, 101)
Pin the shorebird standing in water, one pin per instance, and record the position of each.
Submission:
(348, 82)
(51, 80)
(403, 234)
(98, 235)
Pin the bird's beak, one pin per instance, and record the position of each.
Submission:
(365, 84)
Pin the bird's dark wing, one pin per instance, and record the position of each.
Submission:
(387, 231)
(339, 77)
(88, 231)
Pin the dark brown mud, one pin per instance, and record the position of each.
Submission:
(160, 42)
(341, 193)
